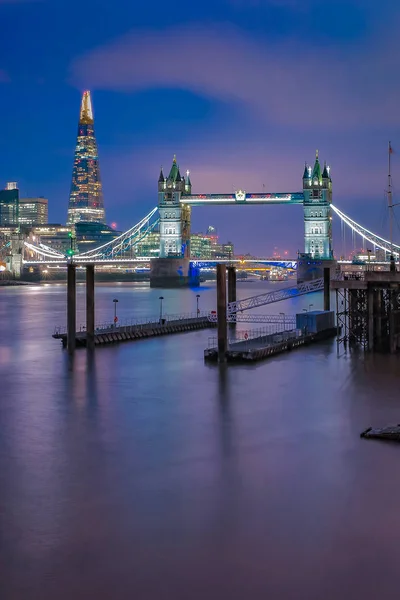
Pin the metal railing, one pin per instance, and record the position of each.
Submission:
(268, 336)
(142, 322)
(285, 320)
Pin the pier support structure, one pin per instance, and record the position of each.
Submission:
(71, 307)
(327, 288)
(221, 313)
(368, 311)
(90, 306)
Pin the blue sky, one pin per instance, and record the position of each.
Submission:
(243, 91)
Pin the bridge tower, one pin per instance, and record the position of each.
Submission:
(172, 268)
(174, 216)
(317, 190)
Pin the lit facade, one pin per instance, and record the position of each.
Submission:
(206, 246)
(317, 190)
(174, 216)
(33, 211)
(9, 206)
(86, 196)
(53, 235)
(149, 246)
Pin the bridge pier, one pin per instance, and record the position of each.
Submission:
(221, 313)
(232, 291)
(90, 306)
(71, 307)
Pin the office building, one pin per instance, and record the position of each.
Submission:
(9, 205)
(33, 211)
(86, 195)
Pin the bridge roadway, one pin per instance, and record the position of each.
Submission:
(200, 263)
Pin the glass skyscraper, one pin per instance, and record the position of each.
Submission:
(86, 196)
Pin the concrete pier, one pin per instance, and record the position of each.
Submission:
(232, 291)
(221, 313)
(90, 306)
(71, 307)
(172, 273)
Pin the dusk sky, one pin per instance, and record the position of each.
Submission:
(242, 91)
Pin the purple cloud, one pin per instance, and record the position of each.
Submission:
(284, 83)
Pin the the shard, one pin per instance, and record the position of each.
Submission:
(86, 197)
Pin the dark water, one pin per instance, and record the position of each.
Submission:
(142, 473)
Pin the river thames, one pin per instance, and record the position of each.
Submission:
(141, 472)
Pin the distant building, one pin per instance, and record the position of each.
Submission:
(54, 235)
(150, 246)
(201, 246)
(33, 211)
(89, 235)
(9, 205)
(207, 246)
(86, 195)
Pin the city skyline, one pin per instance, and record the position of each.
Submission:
(312, 82)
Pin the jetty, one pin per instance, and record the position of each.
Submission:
(138, 330)
(265, 346)
(389, 433)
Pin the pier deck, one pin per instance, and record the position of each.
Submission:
(115, 334)
(263, 347)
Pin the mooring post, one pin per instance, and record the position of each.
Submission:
(71, 307)
(221, 313)
(232, 292)
(327, 288)
(90, 306)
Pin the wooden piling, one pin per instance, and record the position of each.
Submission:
(90, 306)
(221, 313)
(232, 291)
(71, 307)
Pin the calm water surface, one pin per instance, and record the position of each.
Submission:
(143, 473)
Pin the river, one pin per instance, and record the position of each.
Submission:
(140, 472)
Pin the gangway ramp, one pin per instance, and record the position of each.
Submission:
(276, 296)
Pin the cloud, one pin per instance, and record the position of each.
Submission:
(4, 78)
(285, 83)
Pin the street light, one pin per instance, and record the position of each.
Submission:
(161, 298)
(309, 306)
(197, 304)
(115, 311)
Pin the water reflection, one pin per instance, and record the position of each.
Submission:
(138, 469)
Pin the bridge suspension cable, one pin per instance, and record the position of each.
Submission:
(125, 241)
(366, 234)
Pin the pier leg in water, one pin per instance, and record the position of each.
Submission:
(71, 307)
(221, 313)
(232, 291)
(370, 304)
(90, 306)
(327, 291)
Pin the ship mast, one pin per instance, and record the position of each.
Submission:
(390, 204)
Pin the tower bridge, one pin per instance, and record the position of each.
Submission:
(172, 217)
(175, 201)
